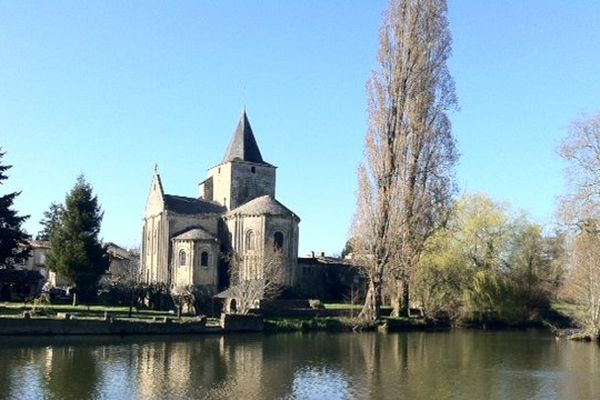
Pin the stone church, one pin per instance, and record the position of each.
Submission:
(187, 240)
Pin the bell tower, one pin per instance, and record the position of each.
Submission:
(243, 175)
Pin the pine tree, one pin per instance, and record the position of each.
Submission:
(14, 246)
(75, 250)
(50, 221)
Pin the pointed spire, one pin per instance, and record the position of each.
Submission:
(243, 145)
(156, 181)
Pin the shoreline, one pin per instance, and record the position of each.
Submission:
(174, 327)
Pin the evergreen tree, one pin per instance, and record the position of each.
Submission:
(50, 221)
(14, 246)
(75, 250)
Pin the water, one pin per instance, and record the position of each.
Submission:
(460, 364)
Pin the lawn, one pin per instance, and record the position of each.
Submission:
(12, 310)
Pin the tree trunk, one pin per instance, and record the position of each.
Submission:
(404, 287)
(396, 298)
(372, 308)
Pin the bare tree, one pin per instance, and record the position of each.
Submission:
(583, 278)
(256, 278)
(581, 149)
(580, 211)
(406, 181)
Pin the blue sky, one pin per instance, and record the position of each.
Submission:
(110, 88)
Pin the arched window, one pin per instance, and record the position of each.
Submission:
(204, 259)
(250, 240)
(278, 240)
(182, 258)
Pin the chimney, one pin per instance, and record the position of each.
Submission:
(322, 254)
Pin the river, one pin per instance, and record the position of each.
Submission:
(460, 364)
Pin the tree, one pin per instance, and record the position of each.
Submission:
(406, 181)
(460, 268)
(347, 250)
(256, 278)
(580, 211)
(581, 151)
(50, 221)
(14, 245)
(75, 250)
(583, 277)
(487, 263)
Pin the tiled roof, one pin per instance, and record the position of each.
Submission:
(195, 234)
(190, 205)
(243, 145)
(264, 205)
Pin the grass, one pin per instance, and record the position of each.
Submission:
(306, 324)
(341, 306)
(343, 324)
(88, 312)
(574, 311)
(344, 306)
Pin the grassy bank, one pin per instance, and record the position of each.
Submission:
(89, 312)
(347, 324)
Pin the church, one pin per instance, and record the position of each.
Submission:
(188, 240)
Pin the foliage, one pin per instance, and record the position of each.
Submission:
(122, 292)
(50, 221)
(14, 246)
(75, 250)
(487, 265)
(348, 249)
(406, 181)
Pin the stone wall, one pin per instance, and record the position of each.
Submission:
(241, 323)
(330, 279)
(43, 326)
(249, 181)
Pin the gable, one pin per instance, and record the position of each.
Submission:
(155, 202)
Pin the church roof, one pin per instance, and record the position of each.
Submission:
(195, 234)
(264, 205)
(190, 205)
(243, 145)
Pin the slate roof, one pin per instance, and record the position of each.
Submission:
(190, 205)
(264, 205)
(195, 234)
(243, 145)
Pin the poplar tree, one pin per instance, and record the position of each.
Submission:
(14, 245)
(406, 181)
(75, 250)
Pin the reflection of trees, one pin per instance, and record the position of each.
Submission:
(71, 372)
(456, 364)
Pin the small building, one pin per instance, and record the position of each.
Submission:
(330, 279)
(124, 263)
(37, 258)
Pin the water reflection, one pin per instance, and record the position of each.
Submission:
(450, 365)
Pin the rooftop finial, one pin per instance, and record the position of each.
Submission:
(155, 168)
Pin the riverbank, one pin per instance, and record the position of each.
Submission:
(51, 327)
(99, 320)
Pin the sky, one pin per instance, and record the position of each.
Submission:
(107, 89)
